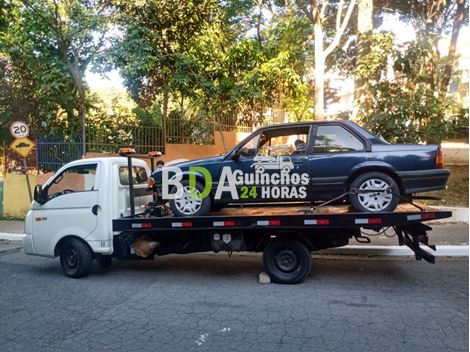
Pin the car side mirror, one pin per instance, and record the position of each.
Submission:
(39, 194)
(235, 154)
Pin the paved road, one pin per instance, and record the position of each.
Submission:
(212, 303)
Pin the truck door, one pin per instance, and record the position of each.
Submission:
(71, 207)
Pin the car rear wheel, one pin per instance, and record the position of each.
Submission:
(383, 195)
(187, 205)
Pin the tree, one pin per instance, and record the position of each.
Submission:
(459, 19)
(58, 39)
(318, 12)
(364, 32)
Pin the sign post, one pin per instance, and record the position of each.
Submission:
(22, 145)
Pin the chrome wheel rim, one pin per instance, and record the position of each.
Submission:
(375, 201)
(186, 204)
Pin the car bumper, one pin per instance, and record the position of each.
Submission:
(28, 245)
(424, 180)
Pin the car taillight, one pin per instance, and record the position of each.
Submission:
(439, 158)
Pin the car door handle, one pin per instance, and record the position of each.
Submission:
(95, 209)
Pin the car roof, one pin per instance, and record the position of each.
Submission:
(306, 123)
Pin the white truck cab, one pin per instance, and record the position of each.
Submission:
(80, 201)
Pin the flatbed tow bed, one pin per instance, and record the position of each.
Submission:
(284, 234)
(287, 235)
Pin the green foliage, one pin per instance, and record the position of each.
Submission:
(374, 62)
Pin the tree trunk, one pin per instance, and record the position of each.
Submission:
(82, 116)
(365, 27)
(319, 71)
(165, 116)
(451, 56)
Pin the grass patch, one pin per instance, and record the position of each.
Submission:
(456, 194)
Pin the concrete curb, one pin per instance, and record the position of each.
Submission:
(459, 215)
(11, 236)
(397, 251)
(358, 250)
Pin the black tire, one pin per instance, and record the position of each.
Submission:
(203, 209)
(75, 258)
(361, 179)
(105, 261)
(287, 261)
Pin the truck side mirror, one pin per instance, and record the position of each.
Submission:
(39, 195)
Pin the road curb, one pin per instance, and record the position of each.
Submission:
(361, 250)
(11, 236)
(396, 251)
(459, 215)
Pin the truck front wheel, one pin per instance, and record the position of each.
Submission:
(287, 261)
(75, 258)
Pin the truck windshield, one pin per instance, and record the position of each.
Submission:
(138, 173)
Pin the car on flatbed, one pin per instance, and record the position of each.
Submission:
(330, 159)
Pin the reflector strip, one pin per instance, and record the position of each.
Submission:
(144, 225)
(425, 216)
(368, 221)
(182, 224)
(428, 216)
(268, 222)
(316, 222)
(223, 223)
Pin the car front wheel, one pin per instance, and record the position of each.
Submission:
(374, 192)
(188, 205)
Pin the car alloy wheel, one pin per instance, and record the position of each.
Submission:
(187, 204)
(378, 200)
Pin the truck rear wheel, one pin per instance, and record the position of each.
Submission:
(75, 258)
(287, 261)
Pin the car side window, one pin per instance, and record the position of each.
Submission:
(249, 148)
(284, 142)
(77, 178)
(336, 139)
(138, 174)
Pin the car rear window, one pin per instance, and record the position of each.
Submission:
(336, 139)
(138, 173)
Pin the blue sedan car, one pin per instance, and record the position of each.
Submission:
(304, 162)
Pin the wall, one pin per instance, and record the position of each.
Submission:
(191, 151)
(455, 153)
(16, 201)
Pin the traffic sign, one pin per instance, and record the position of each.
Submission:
(19, 129)
(22, 146)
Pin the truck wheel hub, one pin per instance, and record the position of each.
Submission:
(71, 258)
(286, 260)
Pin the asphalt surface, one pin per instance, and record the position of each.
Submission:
(212, 303)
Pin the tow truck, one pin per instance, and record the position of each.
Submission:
(101, 208)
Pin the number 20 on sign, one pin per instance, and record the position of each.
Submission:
(19, 129)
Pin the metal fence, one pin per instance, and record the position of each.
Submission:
(52, 152)
(180, 131)
(143, 138)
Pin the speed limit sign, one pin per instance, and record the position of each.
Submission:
(19, 129)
